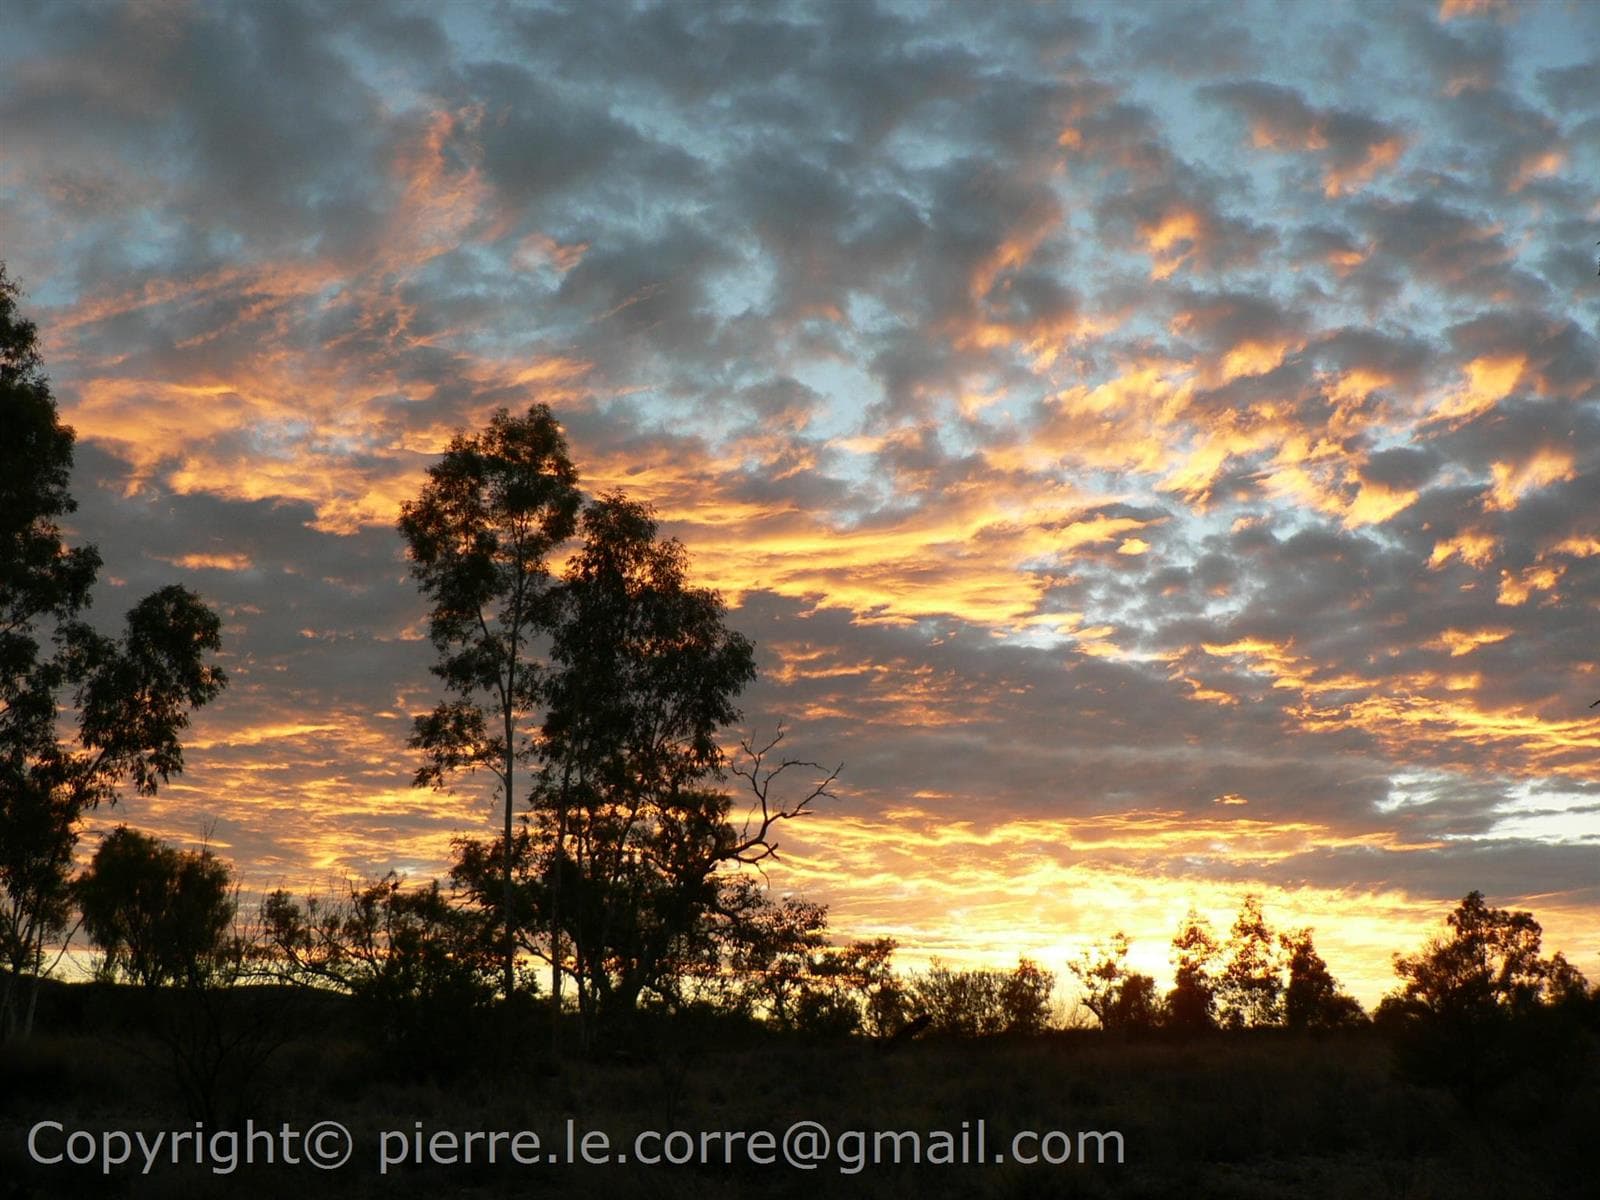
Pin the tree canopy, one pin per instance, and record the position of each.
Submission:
(1489, 963)
(479, 537)
(156, 913)
(596, 701)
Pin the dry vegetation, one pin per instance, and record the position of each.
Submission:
(1246, 1114)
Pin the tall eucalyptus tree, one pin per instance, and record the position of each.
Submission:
(479, 537)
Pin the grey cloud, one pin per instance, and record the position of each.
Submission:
(1574, 87)
(1343, 137)
(1402, 467)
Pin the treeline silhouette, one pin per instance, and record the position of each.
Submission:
(413, 972)
(420, 960)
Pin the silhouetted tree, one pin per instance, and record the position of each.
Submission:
(38, 832)
(618, 866)
(770, 949)
(1479, 1007)
(1025, 996)
(979, 1003)
(867, 967)
(419, 967)
(851, 989)
(1250, 988)
(156, 913)
(630, 827)
(775, 961)
(1490, 961)
(1566, 987)
(479, 537)
(1137, 1007)
(644, 674)
(166, 919)
(1122, 1000)
(1313, 999)
(132, 694)
(665, 920)
(1191, 1005)
(958, 1003)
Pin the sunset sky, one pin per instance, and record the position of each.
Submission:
(1154, 447)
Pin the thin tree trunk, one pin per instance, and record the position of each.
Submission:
(33, 997)
(8, 990)
(580, 949)
(510, 981)
(555, 915)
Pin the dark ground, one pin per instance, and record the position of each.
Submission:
(1239, 1116)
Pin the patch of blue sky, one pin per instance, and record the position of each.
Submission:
(1542, 810)
(1550, 37)
(1417, 788)
(847, 389)
(746, 288)
(225, 243)
(348, 444)
(279, 439)
(153, 240)
(33, 264)
(476, 31)
(397, 85)
(919, 146)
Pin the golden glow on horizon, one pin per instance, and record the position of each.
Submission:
(981, 896)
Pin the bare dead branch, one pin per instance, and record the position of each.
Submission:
(755, 837)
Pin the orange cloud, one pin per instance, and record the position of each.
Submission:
(1517, 586)
(958, 550)
(1513, 481)
(1014, 250)
(1375, 503)
(1463, 641)
(1254, 358)
(1450, 10)
(1490, 379)
(1352, 387)
(1473, 547)
(1539, 165)
(1173, 238)
(1341, 181)
(1523, 743)
(212, 562)
(1577, 547)
(540, 248)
